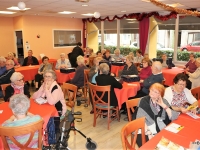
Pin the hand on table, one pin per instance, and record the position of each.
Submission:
(183, 110)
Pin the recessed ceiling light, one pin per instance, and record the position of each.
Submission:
(7, 12)
(123, 11)
(88, 14)
(66, 12)
(175, 5)
(132, 22)
(146, 1)
(84, 5)
(131, 19)
(16, 8)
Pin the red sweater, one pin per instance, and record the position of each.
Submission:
(145, 73)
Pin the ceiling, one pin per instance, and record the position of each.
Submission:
(105, 7)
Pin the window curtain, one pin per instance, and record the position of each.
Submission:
(84, 35)
(144, 33)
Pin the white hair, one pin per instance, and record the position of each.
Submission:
(15, 76)
(104, 68)
(11, 62)
(157, 65)
(62, 54)
(81, 60)
(117, 50)
(2, 59)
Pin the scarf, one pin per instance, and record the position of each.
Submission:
(18, 89)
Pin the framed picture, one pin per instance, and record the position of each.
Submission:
(63, 38)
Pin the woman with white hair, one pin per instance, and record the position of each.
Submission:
(117, 56)
(129, 68)
(2, 65)
(195, 76)
(62, 63)
(78, 79)
(11, 57)
(52, 92)
(17, 86)
(104, 79)
(20, 104)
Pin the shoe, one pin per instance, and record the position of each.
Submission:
(92, 112)
(124, 112)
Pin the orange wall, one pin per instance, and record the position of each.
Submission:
(7, 38)
(34, 25)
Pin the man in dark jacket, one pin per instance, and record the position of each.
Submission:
(5, 77)
(74, 54)
(30, 60)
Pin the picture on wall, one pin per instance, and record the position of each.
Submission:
(64, 38)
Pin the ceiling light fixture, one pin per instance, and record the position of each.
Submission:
(83, 1)
(84, 5)
(97, 14)
(66, 12)
(7, 12)
(132, 22)
(123, 11)
(88, 14)
(21, 5)
(16, 8)
(130, 19)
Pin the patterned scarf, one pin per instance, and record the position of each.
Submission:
(18, 89)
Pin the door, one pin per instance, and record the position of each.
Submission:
(20, 48)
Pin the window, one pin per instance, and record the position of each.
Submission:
(63, 38)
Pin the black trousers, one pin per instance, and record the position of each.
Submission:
(38, 78)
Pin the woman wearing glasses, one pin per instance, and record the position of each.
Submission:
(146, 71)
(52, 92)
(178, 96)
(17, 86)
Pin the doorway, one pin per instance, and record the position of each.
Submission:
(20, 48)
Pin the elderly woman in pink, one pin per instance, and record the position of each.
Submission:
(11, 57)
(52, 92)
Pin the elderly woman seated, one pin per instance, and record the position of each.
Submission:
(62, 63)
(43, 67)
(11, 57)
(165, 62)
(156, 110)
(19, 104)
(178, 96)
(191, 66)
(139, 57)
(107, 56)
(104, 79)
(146, 71)
(129, 68)
(52, 92)
(17, 86)
(117, 56)
(78, 79)
(195, 76)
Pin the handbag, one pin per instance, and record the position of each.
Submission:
(68, 70)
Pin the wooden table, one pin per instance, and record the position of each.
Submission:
(35, 109)
(128, 90)
(63, 77)
(29, 72)
(169, 74)
(189, 133)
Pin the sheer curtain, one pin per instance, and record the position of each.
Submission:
(144, 33)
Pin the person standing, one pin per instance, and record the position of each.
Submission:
(2, 65)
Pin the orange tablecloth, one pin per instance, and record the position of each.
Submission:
(188, 134)
(169, 74)
(63, 77)
(128, 90)
(116, 69)
(29, 72)
(34, 109)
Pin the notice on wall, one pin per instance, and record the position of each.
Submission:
(27, 46)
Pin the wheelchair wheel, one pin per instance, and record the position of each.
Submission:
(91, 145)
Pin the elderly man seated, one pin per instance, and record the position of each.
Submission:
(5, 77)
(2, 65)
(156, 77)
(117, 56)
(63, 62)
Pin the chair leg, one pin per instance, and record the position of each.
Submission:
(94, 122)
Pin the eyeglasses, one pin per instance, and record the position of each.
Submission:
(20, 80)
(47, 76)
(151, 90)
(183, 85)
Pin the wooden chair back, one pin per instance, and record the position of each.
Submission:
(130, 131)
(3, 87)
(70, 90)
(12, 132)
(196, 92)
(97, 93)
(130, 104)
(86, 86)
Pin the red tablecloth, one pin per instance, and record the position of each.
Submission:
(188, 134)
(169, 74)
(50, 61)
(35, 109)
(128, 90)
(63, 77)
(116, 69)
(29, 72)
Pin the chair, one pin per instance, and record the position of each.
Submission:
(196, 92)
(86, 81)
(67, 89)
(3, 87)
(12, 132)
(97, 93)
(129, 133)
(130, 104)
(163, 81)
